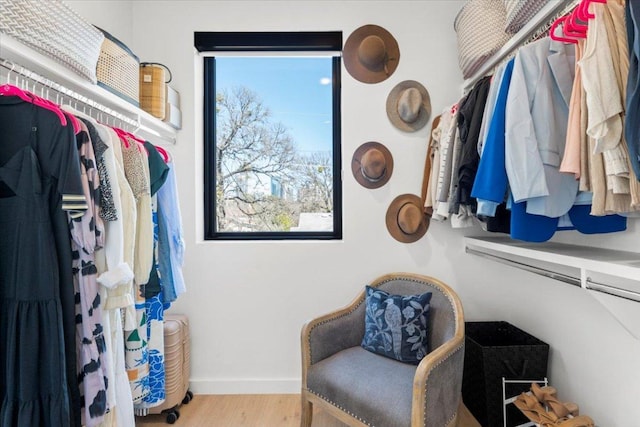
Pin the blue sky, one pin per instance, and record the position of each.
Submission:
(294, 89)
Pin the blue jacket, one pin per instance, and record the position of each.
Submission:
(491, 185)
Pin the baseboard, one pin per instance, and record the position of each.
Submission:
(245, 386)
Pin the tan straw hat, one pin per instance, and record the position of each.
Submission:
(372, 164)
(371, 54)
(406, 220)
(409, 106)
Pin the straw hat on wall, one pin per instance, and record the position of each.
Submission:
(371, 54)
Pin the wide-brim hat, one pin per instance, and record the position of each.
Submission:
(409, 106)
(371, 54)
(372, 164)
(406, 220)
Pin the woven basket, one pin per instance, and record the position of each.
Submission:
(52, 28)
(519, 12)
(480, 30)
(153, 91)
(494, 350)
(118, 69)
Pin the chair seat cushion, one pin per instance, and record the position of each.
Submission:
(373, 388)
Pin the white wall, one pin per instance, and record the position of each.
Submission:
(114, 17)
(248, 300)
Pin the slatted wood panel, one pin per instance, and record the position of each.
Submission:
(263, 410)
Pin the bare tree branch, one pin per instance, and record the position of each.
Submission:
(262, 182)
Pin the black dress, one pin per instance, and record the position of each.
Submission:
(39, 168)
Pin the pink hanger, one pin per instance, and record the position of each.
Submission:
(122, 136)
(125, 136)
(11, 90)
(582, 10)
(139, 142)
(45, 103)
(577, 22)
(570, 30)
(132, 136)
(55, 107)
(584, 5)
(128, 134)
(74, 122)
(163, 153)
(552, 32)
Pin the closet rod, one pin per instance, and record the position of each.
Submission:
(26, 73)
(612, 290)
(533, 269)
(533, 30)
(135, 124)
(590, 283)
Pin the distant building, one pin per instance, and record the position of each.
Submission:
(260, 185)
(310, 221)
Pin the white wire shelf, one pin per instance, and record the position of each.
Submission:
(83, 90)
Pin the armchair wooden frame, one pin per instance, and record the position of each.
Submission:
(449, 352)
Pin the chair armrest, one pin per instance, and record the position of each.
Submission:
(437, 384)
(328, 334)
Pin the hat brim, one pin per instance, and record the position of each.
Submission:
(392, 219)
(392, 106)
(356, 165)
(350, 54)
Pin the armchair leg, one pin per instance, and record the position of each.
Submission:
(307, 412)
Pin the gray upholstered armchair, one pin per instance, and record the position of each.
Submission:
(361, 388)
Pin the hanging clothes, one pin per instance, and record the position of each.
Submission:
(136, 340)
(469, 123)
(604, 106)
(121, 247)
(39, 174)
(154, 308)
(426, 193)
(87, 232)
(490, 186)
(447, 145)
(489, 106)
(115, 277)
(536, 126)
(632, 131)
(616, 35)
(603, 71)
(571, 162)
(492, 180)
(171, 244)
(65, 185)
(435, 182)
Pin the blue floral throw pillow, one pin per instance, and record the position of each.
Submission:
(396, 326)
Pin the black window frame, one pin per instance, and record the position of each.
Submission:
(330, 41)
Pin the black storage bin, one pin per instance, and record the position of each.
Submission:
(494, 350)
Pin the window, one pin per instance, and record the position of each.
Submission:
(272, 135)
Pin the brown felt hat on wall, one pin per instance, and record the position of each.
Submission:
(372, 164)
(406, 220)
(409, 106)
(371, 54)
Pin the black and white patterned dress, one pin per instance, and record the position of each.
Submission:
(87, 232)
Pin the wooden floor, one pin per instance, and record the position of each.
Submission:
(263, 410)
